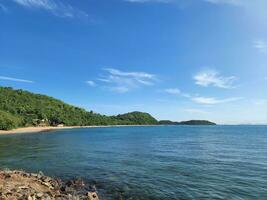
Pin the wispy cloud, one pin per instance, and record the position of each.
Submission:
(200, 99)
(122, 81)
(90, 83)
(261, 46)
(54, 6)
(3, 8)
(212, 100)
(214, 78)
(174, 91)
(5, 78)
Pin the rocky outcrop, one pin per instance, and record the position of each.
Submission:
(19, 185)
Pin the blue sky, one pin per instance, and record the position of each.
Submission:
(176, 59)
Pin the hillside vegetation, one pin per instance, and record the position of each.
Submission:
(190, 122)
(19, 108)
(138, 118)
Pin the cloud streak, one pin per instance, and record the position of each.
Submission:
(56, 7)
(90, 83)
(213, 101)
(121, 81)
(5, 78)
(200, 99)
(261, 46)
(174, 91)
(3, 8)
(213, 78)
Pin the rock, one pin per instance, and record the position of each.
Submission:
(47, 185)
(19, 185)
(31, 197)
(34, 175)
(39, 194)
(40, 175)
(46, 179)
(92, 196)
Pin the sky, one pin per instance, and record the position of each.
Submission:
(176, 59)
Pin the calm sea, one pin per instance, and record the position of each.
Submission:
(143, 163)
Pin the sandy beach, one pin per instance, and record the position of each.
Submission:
(53, 128)
(34, 129)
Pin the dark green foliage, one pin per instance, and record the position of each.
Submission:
(137, 118)
(36, 109)
(191, 122)
(168, 122)
(197, 122)
(8, 121)
(22, 108)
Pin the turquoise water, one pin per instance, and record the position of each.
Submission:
(157, 163)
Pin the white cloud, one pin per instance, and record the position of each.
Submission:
(213, 78)
(91, 83)
(121, 81)
(56, 7)
(174, 91)
(5, 78)
(212, 100)
(261, 46)
(45, 4)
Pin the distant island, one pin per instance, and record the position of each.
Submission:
(190, 122)
(19, 108)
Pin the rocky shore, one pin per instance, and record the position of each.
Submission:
(19, 185)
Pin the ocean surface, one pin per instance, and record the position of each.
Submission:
(150, 163)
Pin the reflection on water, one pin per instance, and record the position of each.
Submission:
(222, 162)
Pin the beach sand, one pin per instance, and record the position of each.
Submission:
(53, 128)
(34, 129)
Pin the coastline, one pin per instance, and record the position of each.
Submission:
(33, 186)
(53, 128)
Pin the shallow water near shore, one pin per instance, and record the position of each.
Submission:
(143, 163)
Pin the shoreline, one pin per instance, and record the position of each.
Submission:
(36, 186)
(53, 128)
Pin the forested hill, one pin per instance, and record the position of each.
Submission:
(196, 122)
(19, 108)
(190, 122)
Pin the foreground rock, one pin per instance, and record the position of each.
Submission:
(19, 185)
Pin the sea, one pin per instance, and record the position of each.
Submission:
(151, 162)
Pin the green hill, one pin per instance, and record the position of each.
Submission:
(19, 108)
(139, 118)
(191, 122)
(197, 122)
(168, 122)
(8, 121)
